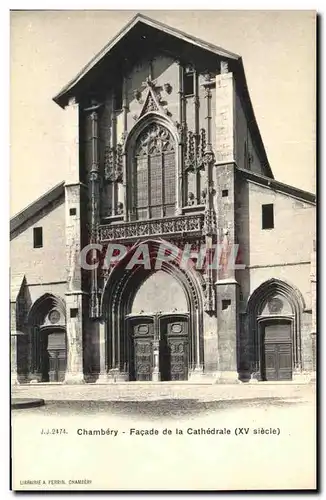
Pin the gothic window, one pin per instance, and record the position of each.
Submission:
(154, 174)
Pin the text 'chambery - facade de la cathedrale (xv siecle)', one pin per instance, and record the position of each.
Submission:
(164, 147)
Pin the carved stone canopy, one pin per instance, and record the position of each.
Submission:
(195, 146)
(113, 163)
(150, 105)
(153, 101)
(209, 156)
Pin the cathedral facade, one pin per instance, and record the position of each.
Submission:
(164, 153)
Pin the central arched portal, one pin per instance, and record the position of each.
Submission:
(158, 330)
(154, 323)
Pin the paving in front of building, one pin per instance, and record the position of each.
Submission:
(147, 392)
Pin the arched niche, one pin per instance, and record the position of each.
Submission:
(274, 305)
(160, 292)
(48, 343)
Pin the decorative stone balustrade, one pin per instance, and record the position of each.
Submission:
(171, 226)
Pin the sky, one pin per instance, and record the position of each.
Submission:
(48, 48)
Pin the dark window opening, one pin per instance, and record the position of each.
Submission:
(268, 216)
(72, 211)
(188, 84)
(118, 97)
(74, 313)
(38, 237)
(225, 192)
(226, 303)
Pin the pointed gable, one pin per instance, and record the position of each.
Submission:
(136, 41)
(139, 33)
(150, 104)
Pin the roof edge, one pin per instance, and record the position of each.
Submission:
(252, 124)
(59, 98)
(36, 206)
(279, 186)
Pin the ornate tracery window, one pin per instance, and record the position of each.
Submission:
(154, 174)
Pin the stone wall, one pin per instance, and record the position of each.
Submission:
(46, 264)
(160, 292)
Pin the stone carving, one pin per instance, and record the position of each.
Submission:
(120, 208)
(210, 227)
(153, 100)
(191, 199)
(275, 305)
(209, 295)
(208, 93)
(154, 140)
(203, 196)
(149, 82)
(150, 105)
(208, 77)
(158, 227)
(195, 146)
(113, 163)
(54, 316)
(176, 328)
(137, 95)
(168, 88)
(208, 156)
(224, 67)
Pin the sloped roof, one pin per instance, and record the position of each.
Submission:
(139, 25)
(60, 98)
(35, 207)
(278, 186)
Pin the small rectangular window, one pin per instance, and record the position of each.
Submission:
(268, 216)
(72, 211)
(38, 237)
(74, 313)
(225, 192)
(226, 303)
(188, 84)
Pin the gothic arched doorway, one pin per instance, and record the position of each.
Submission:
(274, 331)
(158, 338)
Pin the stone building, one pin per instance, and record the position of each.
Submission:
(165, 148)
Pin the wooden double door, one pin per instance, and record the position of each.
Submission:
(277, 349)
(159, 345)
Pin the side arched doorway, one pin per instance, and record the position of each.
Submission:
(274, 331)
(48, 343)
